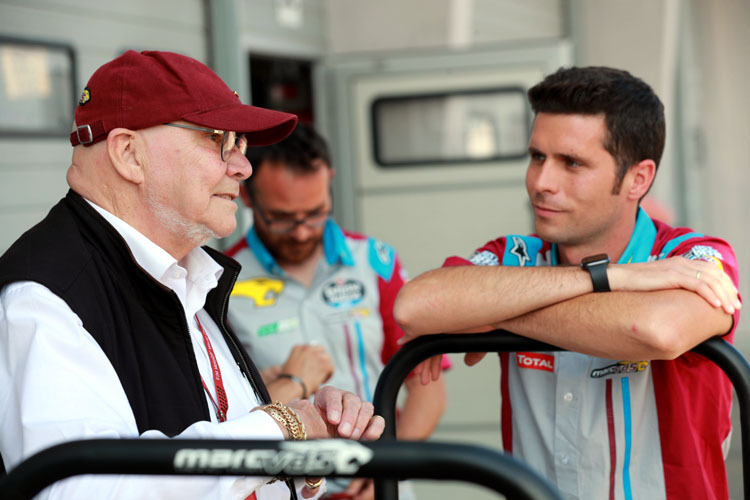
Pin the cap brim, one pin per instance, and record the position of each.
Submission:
(262, 126)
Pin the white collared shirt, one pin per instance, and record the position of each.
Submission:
(57, 385)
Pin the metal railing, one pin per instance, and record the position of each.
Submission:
(729, 359)
(329, 457)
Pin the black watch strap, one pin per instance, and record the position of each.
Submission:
(596, 265)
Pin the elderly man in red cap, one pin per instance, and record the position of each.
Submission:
(112, 314)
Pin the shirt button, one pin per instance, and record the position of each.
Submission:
(568, 397)
(565, 459)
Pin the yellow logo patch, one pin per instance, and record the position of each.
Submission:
(263, 291)
(85, 97)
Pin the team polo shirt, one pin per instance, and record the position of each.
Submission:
(618, 428)
(348, 308)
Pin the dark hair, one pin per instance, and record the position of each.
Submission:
(633, 113)
(297, 152)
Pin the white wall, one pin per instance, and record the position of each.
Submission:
(292, 28)
(723, 129)
(362, 26)
(32, 171)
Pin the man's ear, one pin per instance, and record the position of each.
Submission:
(640, 177)
(123, 153)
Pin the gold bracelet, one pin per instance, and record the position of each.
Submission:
(276, 414)
(300, 433)
(313, 485)
(288, 418)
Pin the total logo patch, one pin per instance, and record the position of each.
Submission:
(343, 293)
(535, 361)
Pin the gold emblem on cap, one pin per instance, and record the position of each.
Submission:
(236, 94)
(85, 97)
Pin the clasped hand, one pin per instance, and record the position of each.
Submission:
(338, 414)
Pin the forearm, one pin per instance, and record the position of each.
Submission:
(454, 299)
(284, 390)
(422, 409)
(625, 325)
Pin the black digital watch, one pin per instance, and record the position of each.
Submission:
(596, 265)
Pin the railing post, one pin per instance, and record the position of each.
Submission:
(410, 355)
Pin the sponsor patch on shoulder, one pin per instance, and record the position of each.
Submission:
(484, 258)
(707, 253)
(535, 361)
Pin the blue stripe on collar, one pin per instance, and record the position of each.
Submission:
(334, 245)
(641, 242)
(262, 254)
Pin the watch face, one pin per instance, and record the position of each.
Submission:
(594, 260)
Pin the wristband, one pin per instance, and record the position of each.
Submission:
(295, 378)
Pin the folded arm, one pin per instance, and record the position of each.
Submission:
(657, 310)
(625, 325)
(457, 299)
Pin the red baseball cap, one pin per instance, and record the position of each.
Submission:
(144, 89)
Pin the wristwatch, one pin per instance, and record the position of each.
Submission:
(596, 265)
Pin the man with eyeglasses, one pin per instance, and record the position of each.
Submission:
(113, 315)
(313, 303)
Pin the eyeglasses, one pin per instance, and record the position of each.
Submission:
(228, 139)
(282, 225)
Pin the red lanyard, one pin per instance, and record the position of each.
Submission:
(223, 403)
(221, 395)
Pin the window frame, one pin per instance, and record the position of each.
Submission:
(69, 51)
(502, 89)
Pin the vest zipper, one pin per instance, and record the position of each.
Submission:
(248, 374)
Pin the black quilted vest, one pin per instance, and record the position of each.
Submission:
(139, 323)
